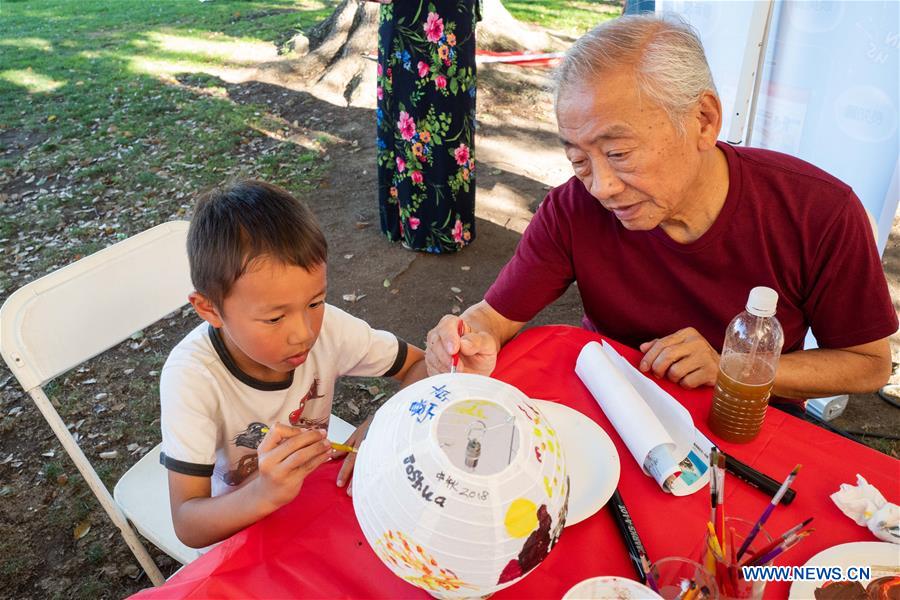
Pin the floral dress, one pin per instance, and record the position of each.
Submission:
(426, 123)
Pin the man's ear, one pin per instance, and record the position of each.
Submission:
(206, 309)
(709, 116)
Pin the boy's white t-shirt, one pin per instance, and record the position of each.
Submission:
(214, 414)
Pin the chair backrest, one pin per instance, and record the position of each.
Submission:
(61, 320)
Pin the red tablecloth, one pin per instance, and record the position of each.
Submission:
(314, 547)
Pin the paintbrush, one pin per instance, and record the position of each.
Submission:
(787, 544)
(771, 546)
(713, 486)
(768, 511)
(720, 501)
(461, 330)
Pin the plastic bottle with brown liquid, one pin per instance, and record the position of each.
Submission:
(747, 369)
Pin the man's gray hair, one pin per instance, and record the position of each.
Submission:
(665, 52)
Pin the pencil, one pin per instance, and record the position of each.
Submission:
(344, 448)
(691, 592)
(714, 542)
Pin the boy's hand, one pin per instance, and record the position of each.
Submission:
(354, 440)
(286, 456)
(477, 349)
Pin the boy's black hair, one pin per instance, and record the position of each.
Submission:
(235, 224)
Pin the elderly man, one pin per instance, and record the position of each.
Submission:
(666, 230)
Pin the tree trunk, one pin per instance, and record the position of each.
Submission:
(334, 53)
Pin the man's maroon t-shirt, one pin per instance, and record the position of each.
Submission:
(785, 224)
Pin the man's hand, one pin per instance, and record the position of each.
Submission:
(477, 349)
(286, 456)
(354, 440)
(684, 357)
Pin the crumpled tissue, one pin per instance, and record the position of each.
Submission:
(864, 504)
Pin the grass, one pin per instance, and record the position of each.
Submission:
(566, 16)
(126, 99)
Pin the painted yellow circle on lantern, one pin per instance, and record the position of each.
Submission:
(521, 518)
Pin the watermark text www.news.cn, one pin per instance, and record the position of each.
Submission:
(826, 573)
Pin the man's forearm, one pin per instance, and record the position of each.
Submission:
(826, 372)
(483, 318)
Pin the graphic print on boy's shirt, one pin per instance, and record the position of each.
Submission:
(296, 417)
(253, 435)
(248, 463)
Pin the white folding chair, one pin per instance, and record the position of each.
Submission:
(59, 321)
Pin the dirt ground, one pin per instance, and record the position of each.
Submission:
(404, 292)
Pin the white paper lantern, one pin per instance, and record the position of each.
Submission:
(460, 486)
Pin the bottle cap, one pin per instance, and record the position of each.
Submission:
(762, 301)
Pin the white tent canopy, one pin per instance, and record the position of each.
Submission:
(826, 89)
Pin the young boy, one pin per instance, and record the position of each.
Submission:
(268, 355)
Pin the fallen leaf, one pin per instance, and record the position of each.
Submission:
(387, 283)
(109, 454)
(378, 397)
(51, 118)
(62, 479)
(109, 571)
(455, 290)
(465, 268)
(82, 529)
(348, 256)
(353, 407)
(362, 224)
(455, 310)
(373, 389)
(131, 571)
